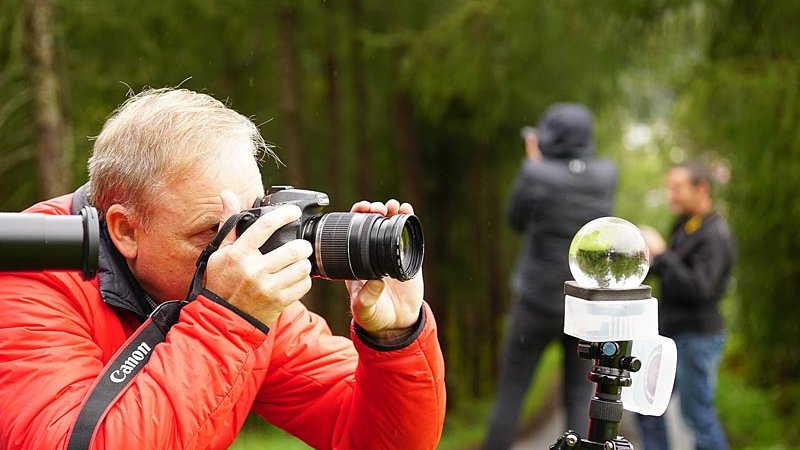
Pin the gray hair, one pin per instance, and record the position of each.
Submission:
(154, 136)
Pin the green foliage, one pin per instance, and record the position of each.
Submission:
(258, 435)
(752, 422)
(745, 104)
(17, 161)
(607, 268)
(446, 86)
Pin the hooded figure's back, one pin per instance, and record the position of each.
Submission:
(552, 198)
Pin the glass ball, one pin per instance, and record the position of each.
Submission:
(609, 253)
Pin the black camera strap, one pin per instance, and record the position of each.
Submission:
(198, 281)
(135, 353)
(118, 374)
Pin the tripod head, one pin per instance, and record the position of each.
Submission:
(616, 320)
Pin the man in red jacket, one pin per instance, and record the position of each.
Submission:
(167, 169)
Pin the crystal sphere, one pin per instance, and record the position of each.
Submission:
(609, 253)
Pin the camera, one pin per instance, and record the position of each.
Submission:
(347, 246)
(528, 131)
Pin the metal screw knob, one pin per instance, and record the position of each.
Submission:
(609, 348)
(571, 439)
(631, 364)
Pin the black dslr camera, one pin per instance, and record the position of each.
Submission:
(347, 246)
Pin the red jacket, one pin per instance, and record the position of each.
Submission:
(57, 334)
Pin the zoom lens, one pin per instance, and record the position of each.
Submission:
(34, 242)
(357, 246)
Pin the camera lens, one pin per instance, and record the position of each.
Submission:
(356, 246)
(34, 242)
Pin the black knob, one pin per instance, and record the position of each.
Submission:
(587, 350)
(631, 364)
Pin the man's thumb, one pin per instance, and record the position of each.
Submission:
(364, 306)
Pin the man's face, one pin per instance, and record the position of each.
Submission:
(683, 195)
(185, 220)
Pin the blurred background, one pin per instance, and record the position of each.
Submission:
(423, 101)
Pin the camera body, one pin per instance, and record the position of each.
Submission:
(347, 246)
(309, 202)
(527, 132)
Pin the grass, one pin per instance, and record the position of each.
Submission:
(259, 435)
(750, 416)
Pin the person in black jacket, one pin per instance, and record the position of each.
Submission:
(694, 272)
(560, 187)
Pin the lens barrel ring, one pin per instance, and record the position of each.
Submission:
(367, 246)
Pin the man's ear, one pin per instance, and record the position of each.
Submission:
(122, 229)
(705, 188)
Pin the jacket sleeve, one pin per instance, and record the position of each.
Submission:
(695, 278)
(183, 398)
(336, 394)
(524, 198)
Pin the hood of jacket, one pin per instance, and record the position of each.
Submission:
(565, 131)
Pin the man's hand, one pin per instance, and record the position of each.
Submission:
(386, 308)
(260, 285)
(653, 239)
(532, 147)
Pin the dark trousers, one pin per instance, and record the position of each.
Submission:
(528, 335)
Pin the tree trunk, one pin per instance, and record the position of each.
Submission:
(361, 110)
(54, 160)
(408, 149)
(290, 95)
(332, 110)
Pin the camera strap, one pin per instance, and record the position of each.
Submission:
(131, 358)
(198, 281)
(118, 374)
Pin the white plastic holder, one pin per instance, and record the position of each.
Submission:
(610, 320)
(627, 315)
(651, 386)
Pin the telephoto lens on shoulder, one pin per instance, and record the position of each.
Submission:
(347, 246)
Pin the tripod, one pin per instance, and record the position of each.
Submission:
(605, 336)
(611, 372)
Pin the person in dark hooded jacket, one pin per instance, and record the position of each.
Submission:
(560, 187)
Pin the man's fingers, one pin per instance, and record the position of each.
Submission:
(406, 208)
(287, 254)
(265, 226)
(295, 291)
(294, 273)
(392, 207)
(389, 209)
(361, 207)
(377, 208)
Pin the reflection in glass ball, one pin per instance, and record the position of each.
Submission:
(609, 253)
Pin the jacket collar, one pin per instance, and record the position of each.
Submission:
(118, 287)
